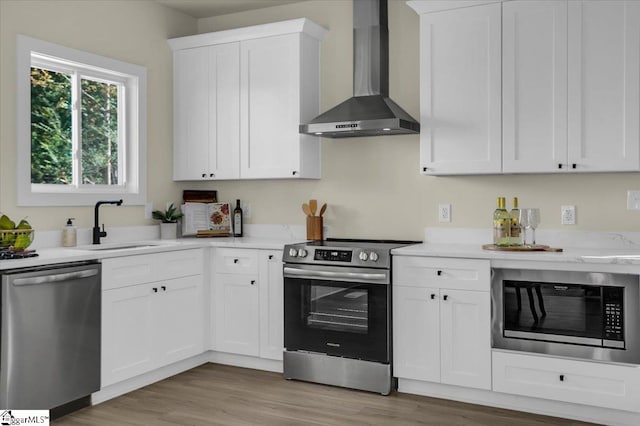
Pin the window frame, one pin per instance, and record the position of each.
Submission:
(134, 79)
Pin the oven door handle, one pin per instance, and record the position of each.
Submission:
(363, 276)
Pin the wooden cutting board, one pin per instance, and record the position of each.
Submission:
(521, 248)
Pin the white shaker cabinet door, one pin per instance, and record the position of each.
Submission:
(127, 333)
(270, 77)
(534, 78)
(236, 314)
(207, 112)
(179, 325)
(604, 91)
(271, 305)
(416, 333)
(460, 91)
(465, 338)
(224, 111)
(191, 82)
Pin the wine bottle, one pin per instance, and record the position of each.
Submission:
(501, 224)
(237, 220)
(516, 238)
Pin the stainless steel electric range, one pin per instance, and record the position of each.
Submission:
(337, 315)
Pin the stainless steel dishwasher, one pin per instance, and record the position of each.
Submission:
(50, 348)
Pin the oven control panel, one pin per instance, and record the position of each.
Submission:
(327, 254)
(330, 255)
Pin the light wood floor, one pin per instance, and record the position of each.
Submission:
(215, 394)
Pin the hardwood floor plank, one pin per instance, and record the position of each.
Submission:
(214, 394)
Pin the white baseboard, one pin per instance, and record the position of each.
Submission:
(245, 361)
(129, 385)
(520, 403)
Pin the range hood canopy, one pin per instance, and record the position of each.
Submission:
(370, 112)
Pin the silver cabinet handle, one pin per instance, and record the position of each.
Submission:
(46, 279)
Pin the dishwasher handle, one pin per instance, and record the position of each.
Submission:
(47, 279)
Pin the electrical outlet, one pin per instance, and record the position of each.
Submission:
(568, 215)
(246, 210)
(148, 208)
(444, 213)
(633, 200)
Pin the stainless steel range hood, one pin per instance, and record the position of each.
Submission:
(369, 112)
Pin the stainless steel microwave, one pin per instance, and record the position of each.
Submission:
(577, 314)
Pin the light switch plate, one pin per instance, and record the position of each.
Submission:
(633, 200)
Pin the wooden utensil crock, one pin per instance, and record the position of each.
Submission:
(314, 228)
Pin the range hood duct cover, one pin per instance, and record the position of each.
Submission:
(370, 112)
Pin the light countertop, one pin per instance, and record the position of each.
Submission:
(582, 250)
(50, 256)
(623, 256)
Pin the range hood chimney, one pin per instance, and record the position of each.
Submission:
(369, 112)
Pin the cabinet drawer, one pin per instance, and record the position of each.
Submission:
(581, 382)
(131, 270)
(181, 263)
(125, 271)
(461, 274)
(235, 261)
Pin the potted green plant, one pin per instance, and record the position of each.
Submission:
(169, 225)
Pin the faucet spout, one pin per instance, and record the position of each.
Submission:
(97, 233)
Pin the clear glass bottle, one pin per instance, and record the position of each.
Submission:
(516, 237)
(501, 224)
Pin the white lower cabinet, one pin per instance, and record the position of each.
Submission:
(154, 322)
(236, 307)
(271, 305)
(581, 382)
(247, 310)
(442, 333)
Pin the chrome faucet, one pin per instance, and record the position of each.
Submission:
(97, 233)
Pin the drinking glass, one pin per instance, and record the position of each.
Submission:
(534, 221)
(523, 219)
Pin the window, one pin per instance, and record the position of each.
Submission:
(81, 127)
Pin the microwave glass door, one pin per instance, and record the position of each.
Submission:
(570, 313)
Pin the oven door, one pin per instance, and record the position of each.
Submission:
(337, 311)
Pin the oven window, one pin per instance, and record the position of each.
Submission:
(338, 318)
(338, 309)
(557, 309)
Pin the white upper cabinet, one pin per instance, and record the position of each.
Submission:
(604, 91)
(207, 113)
(570, 87)
(534, 84)
(460, 85)
(275, 100)
(239, 96)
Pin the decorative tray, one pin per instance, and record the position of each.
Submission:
(537, 247)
